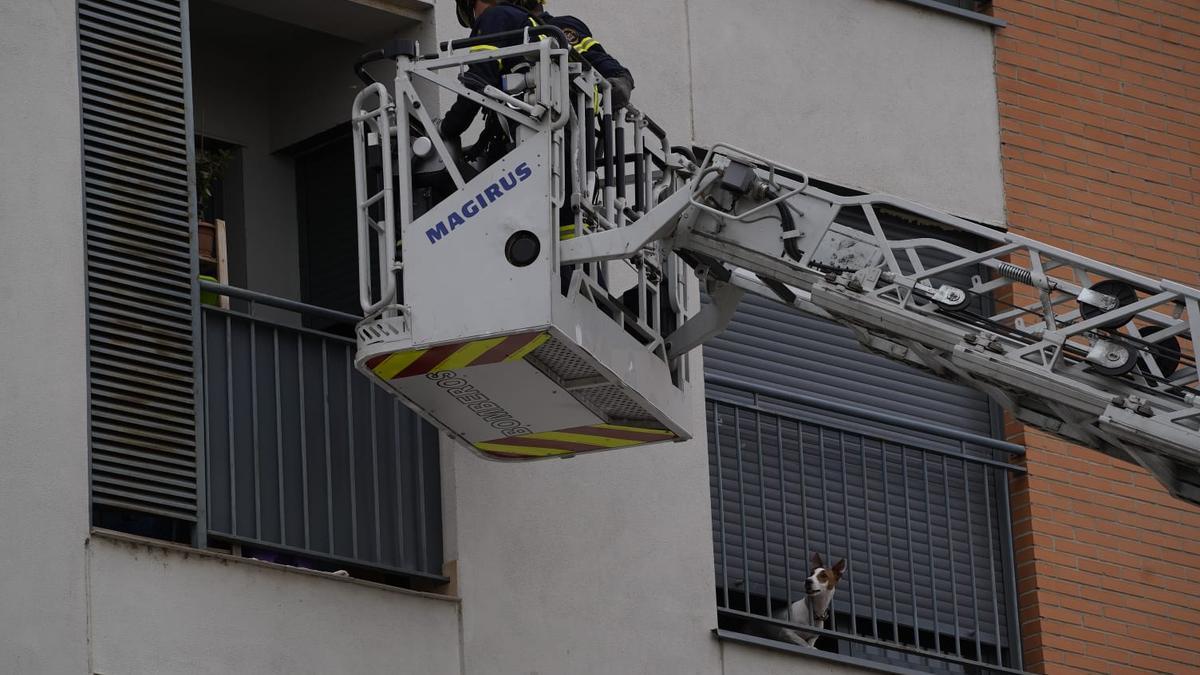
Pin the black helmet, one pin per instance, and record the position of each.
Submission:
(466, 12)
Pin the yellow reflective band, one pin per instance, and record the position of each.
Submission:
(520, 450)
(566, 232)
(585, 45)
(487, 48)
(467, 355)
(528, 349)
(640, 430)
(598, 441)
(535, 24)
(396, 363)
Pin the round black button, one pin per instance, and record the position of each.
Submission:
(522, 248)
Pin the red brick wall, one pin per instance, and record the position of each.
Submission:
(1100, 123)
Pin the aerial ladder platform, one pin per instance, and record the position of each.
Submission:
(542, 304)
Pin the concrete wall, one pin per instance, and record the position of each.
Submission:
(741, 659)
(874, 93)
(43, 390)
(157, 609)
(592, 565)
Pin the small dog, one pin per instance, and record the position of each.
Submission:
(813, 610)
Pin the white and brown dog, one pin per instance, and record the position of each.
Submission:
(813, 610)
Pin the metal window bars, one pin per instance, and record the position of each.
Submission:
(923, 523)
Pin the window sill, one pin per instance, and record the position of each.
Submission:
(185, 551)
(958, 12)
(811, 653)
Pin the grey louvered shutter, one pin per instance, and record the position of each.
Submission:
(849, 488)
(140, 269)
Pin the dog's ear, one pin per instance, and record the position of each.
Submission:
(816, 561)
(840, 567)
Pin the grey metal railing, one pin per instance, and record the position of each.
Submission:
(307, 460)
(919, 511)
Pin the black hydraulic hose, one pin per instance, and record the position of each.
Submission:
(553, 32)
(791, 245)
(654, 128)
(606, 131)
(589, 140)
(360, 66)
(778, 288)
(686, 152)
(639, 187)
(393, 49)
(621, 161)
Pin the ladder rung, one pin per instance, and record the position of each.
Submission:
(372, 201)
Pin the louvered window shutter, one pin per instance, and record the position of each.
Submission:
(140, 269)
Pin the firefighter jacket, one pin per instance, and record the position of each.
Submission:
(580, 37)
(499, 19)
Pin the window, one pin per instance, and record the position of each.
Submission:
(813, 448)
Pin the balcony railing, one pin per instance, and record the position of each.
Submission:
(920, 513)
(307, 461)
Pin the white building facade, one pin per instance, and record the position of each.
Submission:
(129, 545)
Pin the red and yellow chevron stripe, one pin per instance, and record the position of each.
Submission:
(399, 365)
(573, 441)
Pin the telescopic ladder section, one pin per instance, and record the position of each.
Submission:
(472, 319)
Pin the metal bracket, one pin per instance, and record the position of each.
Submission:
(709, 322)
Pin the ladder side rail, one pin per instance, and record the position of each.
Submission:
(373, 123)
(1056, 328)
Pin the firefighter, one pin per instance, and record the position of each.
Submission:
(581, 39)
(483, 17)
